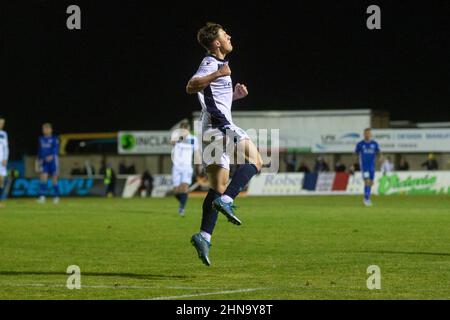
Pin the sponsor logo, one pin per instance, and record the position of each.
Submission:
(152, 141)
(144, 142)
(277, 184)
(127, 141)
(283, 180)
(393, 184)
(382, 136)
(351, 135)
(31, 187)
(332, 140)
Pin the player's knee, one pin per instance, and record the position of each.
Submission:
(219, 187)
(257, 162)
(255, 158)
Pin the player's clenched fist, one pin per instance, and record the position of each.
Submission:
(225, 70)
(240, 91)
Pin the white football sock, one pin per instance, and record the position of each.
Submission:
(226, 199)
(206, 235)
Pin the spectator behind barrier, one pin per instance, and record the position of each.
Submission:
(303, 167)
(403, 165)
(321, 165)
(431, 163)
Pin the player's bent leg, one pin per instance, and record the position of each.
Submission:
(219, 178)
(251, 164)
(250, 152)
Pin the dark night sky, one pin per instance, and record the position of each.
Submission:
(128, 66)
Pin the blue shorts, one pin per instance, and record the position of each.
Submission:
(368, 174)
(50, 168)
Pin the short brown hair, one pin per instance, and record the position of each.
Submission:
(185, 124)
(47, 125)
(207, 34)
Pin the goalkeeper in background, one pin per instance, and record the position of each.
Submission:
(185, 150)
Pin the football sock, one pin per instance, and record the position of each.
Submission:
(206, 235)
(177, 195)
(209, 217)
(1, 193)
(183, 199)
(226, 199)
(367, 192)
(56, 190)
(240, 179)
(42, 189)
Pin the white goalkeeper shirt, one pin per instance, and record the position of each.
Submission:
(183, 151)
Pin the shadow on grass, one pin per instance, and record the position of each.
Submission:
(408, 253)
(98, 274)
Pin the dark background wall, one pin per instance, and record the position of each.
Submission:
(128, 65)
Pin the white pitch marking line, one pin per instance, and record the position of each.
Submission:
(206, 294)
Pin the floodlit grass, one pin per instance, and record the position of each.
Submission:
(287, 248)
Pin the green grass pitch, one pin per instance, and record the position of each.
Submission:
(287, 248)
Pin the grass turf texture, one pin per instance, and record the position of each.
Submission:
(287, 248)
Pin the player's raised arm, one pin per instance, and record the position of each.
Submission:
(198, 83)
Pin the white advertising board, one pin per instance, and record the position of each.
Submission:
(281, 184)
(144, 142)
(390, 140)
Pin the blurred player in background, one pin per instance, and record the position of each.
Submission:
(386, 166)
(367, 150)
(185, 150)
(4, 153)
(48, 165)
(214, 88)
(109, 179)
